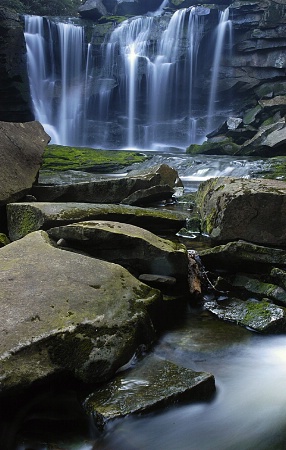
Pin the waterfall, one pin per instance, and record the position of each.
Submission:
(56, 89)
(142, 91)
(223, 26)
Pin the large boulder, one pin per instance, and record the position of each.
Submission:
(25, 217)
(15, 101)
(21, 148)
(139, 250)
(253, 210)
(66, 313)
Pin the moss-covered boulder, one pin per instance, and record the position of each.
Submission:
(137, 249)
(260, 316)
(216, 146)
(253, 210)
(25, 217)
(257, 287)
(66, 313)
(153, 383)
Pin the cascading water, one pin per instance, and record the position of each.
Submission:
(144, 94)
(57, 91)
(224, 26)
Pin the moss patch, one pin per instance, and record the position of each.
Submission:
(57, 157)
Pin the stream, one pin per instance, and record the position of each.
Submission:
(248, 411)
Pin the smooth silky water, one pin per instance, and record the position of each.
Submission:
(247, 412)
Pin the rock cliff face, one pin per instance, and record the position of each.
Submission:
(15, 103)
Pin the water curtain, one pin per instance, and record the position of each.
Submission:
(142, 95)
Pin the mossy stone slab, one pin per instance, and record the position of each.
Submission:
(152, 384)
(260, 316)
(26, 217)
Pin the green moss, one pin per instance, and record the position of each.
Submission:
(116, 19)
(210, 221)
(223, 147)
(257, 311)
(57, 157)
(4, 240)
(275, 168)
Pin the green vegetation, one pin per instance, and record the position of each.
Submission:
(59, 158)
(223, 147)
(46, 8)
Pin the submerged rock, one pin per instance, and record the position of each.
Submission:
(66, 313)
(25, 217)
(153, 383)
(252, 210)
(260, 316)
(139, 250)
(21, 148)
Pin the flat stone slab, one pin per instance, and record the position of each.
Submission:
(65, 312)
(135, 248)
(153, 383)
(242, 254)
(260, 316)
(25, 217)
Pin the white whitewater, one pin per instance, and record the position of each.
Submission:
(224, 26)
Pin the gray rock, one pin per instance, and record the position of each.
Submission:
(253, 210)
(65, 312)
(262, 316)
(21, 148)
(15, 102)
(261, 289)
(153, 383)
(241, 255)
(92, 9)
(134, 248)
(25, 217)
(114, 190)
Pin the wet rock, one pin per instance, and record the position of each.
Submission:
(21, 149)
(262, 316)
(152, 384)
(261, 289)
(134, 248)
(243, 255)
(219, 145)
(252, 210)
(268, 141)
(15, 102)
(114, 190)
(279, 275)
(62, 312)
(92, 9)
(25, 217)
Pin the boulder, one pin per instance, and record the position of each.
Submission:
(253, 210)
(260, 289)
(92, 9)
(66, 313)
(153, 383)
(15, 101)
(114, 190)
(95, 9)
(25, 217)
(21, 149)
(243, 255)
(261, 316)
(139, 250)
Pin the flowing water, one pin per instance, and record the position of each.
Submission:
(140, 91)
(247, 413)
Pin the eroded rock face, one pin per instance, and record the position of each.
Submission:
(94, 9)
(15, 103)
(252, 210)
(65, 312)
(21, 148)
